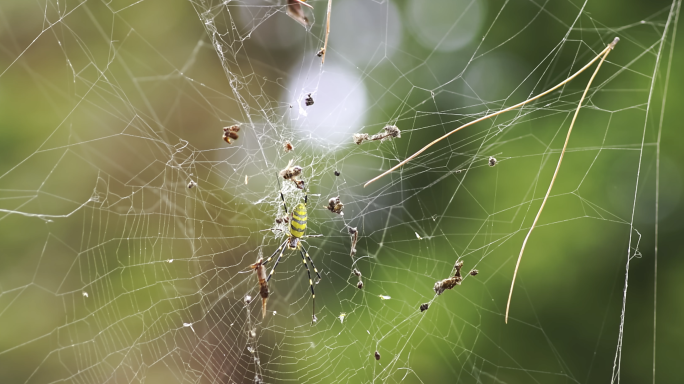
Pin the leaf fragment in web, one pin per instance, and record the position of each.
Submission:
(189, 325)
(295, 11)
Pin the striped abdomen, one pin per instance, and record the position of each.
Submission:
(298, 222)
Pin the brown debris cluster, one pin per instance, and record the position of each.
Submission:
(451, 282)
(359, 285)
(388, 133)
(354, 232)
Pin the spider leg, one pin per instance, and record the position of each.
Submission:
(280, 190)
(306, 252)
(280, 249)
(276, 264)
(308, 272)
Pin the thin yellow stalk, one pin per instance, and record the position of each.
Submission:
(603, 56)
(327, 32)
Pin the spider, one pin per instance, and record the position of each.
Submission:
(294, 241)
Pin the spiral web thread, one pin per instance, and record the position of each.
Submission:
(129, 275)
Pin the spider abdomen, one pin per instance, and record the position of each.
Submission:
(298, 222)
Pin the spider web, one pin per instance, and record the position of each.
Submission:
(129, 226)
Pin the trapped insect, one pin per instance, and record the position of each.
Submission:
(309, 101)
(292, 173)
(263, 284)
(230, 133)
(359, 285)
(335, 205)
(492, 161)
(297, 228)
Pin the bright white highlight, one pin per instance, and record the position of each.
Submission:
(445, 25)
(339, 108)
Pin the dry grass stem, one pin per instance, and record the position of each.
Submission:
(327, 34)
(603, 56)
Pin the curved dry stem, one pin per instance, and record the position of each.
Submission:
(555, 173)
(601, 54)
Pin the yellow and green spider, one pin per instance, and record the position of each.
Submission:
(298, 219)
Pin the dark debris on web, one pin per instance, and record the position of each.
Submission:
(453, 281)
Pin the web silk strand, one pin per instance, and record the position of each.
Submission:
(603, 56)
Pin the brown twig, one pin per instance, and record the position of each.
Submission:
(603, 56)
(327, 34)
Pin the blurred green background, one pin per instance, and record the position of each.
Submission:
(112, 270)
